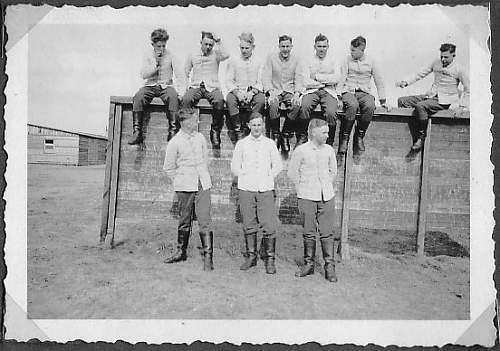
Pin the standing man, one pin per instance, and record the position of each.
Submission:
(158, 68)
(256, 162)
(204, 65)
(186, 163)
(244, 84)
(283, 83)
(357, 71)
(321, 76)
(313, 169)
(443, 93)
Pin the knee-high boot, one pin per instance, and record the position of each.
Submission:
(270, 249)
(331, 134)
(182, 244)
(207, 244)
(309, 256)
(137, 117)
(421, 134)
(345, 132)
(327, 248)
(251, 254)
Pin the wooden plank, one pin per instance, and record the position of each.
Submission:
(114, 177)
(423, 198)
(107, 174)
(346, 199)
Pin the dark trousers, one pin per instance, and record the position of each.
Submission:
(256, 104)
(257, 212)
(144, 96)
(318, 217)
(327, 102)
(362, 101)
(285, 98)
(193, 95)
(423, 105)
(200, 200)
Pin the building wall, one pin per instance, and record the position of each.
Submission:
(384, 185)
(92, 151)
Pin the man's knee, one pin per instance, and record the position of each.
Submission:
(404, 101)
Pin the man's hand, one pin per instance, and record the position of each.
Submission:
(340, 103)
(240, 94)
(459, 111)
(248, 96)
(402, 84)
(387, 107)
(273, 96)
(296, 99)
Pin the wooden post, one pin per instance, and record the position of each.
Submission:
(107, 174)
(423, 199)
(346, 200)
(114, 176)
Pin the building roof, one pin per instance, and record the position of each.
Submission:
(95, 136)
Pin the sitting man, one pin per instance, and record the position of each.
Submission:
(186, 163)
(313, 169)
(243, 82)
(443, 94)
(204, 65)
(283, 84)
(321, 76)
(157, 70)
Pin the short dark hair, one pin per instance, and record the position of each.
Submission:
(159, 34)
(320, 37)
(315, 123)
(208, 35)
(284, 37)
(186, 113)
(255, 115)
(448, 47)
(358, 41)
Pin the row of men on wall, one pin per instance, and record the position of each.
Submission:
(284, 82)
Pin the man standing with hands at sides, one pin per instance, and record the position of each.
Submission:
(313, 169)
(321, 76)
(186, 163)
(244, 84)
(443, 94)
(283, 83)
(256, 162)
(357, 72)
(204, 83)
(157, 70)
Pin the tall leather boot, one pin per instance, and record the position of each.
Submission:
(421, 133)
(359, 145)
(172, 125)
(301, 131)
(327, 248)
(136, 138)
(270, 249)
(251, 254)
(207, 244)
(182, 244)
(345, 132)
(274, 125)
(309, 255)
(234, 129)
(287, 133)
(331, 134)
(216, 127)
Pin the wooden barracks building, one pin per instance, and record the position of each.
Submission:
(55, 146)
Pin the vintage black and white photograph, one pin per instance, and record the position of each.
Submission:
(249, 174)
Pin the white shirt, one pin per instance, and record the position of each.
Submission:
(326, 70)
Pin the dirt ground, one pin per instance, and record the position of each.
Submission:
(71, 276)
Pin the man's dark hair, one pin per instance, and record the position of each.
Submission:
(448, 47)
(208, 35)
(358, 41)
(284, 37)
(159, 34)
(320, 37)
(315, 123)
(186, 113)
(255, 115)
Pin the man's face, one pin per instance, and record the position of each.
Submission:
(256, 125)
(320, 134)
(246, 49)
(191, 124)
(357, 53)
(447, 58)
(285, 47)
(207, 45)
(321, 48)
(159, 47)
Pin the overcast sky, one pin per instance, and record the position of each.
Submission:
(78, 57)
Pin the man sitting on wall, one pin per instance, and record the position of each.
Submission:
(157, 70)
(444, 93)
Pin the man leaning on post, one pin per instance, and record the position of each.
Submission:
(186, 163)
(158, 68)
(204, 65)
(256, 162)
(313, 169)
(443, 94)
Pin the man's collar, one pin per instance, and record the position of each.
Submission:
(362, 58)
(256, 139)
(246, 58)
(283, 59)
(186, 134)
